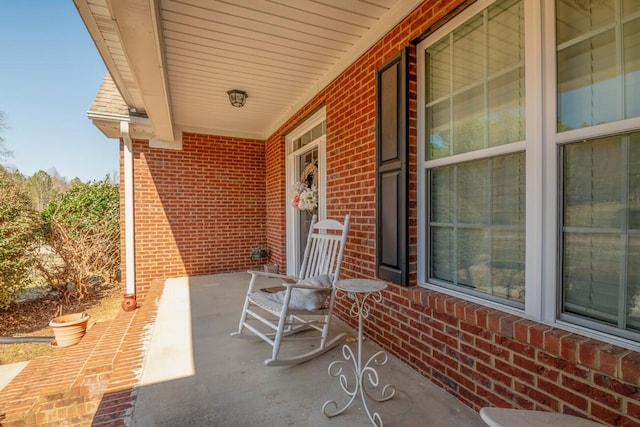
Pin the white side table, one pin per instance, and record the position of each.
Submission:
(503, 417)
(360, 290)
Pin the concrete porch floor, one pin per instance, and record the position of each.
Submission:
(195, 374)
(176, 365)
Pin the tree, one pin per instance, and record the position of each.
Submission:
(40, 185)
(45, 186)
(82, 227)
(4, 151)
(19, 232)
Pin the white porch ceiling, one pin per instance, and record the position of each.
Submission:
(175, 60)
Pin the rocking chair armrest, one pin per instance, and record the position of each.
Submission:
(303, 286)
(287, 279)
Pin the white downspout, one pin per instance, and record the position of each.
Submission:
(129, 300)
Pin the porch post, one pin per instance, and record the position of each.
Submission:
(129, 299)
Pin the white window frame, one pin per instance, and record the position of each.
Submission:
(542, 301)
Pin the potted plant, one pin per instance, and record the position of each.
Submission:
(69, 329)
(261, 253)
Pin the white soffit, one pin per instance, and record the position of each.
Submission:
(176, 60)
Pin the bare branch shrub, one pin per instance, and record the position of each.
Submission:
(83, 239)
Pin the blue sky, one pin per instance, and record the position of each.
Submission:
(50, 72)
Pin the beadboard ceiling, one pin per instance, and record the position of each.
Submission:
(175, 60)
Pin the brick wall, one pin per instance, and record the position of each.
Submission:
(483, 357)
(195, 216)
(199, 210)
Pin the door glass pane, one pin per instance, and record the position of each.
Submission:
(304, 217)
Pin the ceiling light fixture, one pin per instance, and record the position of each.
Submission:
(237, 98)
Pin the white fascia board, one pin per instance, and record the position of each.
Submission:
(136, 23)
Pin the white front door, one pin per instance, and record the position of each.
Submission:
(305, 147)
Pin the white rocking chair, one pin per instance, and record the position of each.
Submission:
(287, 314)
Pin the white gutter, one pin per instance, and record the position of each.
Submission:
(129, 301)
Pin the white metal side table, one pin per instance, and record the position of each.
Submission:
(360, 291)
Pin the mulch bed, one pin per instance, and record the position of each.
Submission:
(23, 318)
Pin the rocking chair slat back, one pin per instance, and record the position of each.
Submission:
(322, 256)
(322, 253)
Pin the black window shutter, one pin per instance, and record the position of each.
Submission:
(391, 169)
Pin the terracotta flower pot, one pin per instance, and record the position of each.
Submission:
(69, 329)
(271, 268)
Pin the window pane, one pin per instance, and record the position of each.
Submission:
(508, 263)
(577, 17)
(477, 74)
(633, 293)
(630, 6)
(508, 196)
(439, 70)
(473, 192)
(310, 136)
(468, 54)
(598, 62)
(505, 36)
(480, 246)
(468, 120)
(632, 67)
(601, 243)
(506, 108)
(442, 208)
(439, 130)
(634, 183)
(592, 275)
(592, 194)
(587, 84)
(442, 253)
(473, 255)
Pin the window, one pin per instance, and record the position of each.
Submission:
(601, 230)
(598, 80)
(529, 162)
(476, 101)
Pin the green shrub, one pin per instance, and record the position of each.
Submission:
(19, 232)
(82, 228)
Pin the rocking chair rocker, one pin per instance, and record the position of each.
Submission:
(305, 304)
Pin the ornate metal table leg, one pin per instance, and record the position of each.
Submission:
(360, 373)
